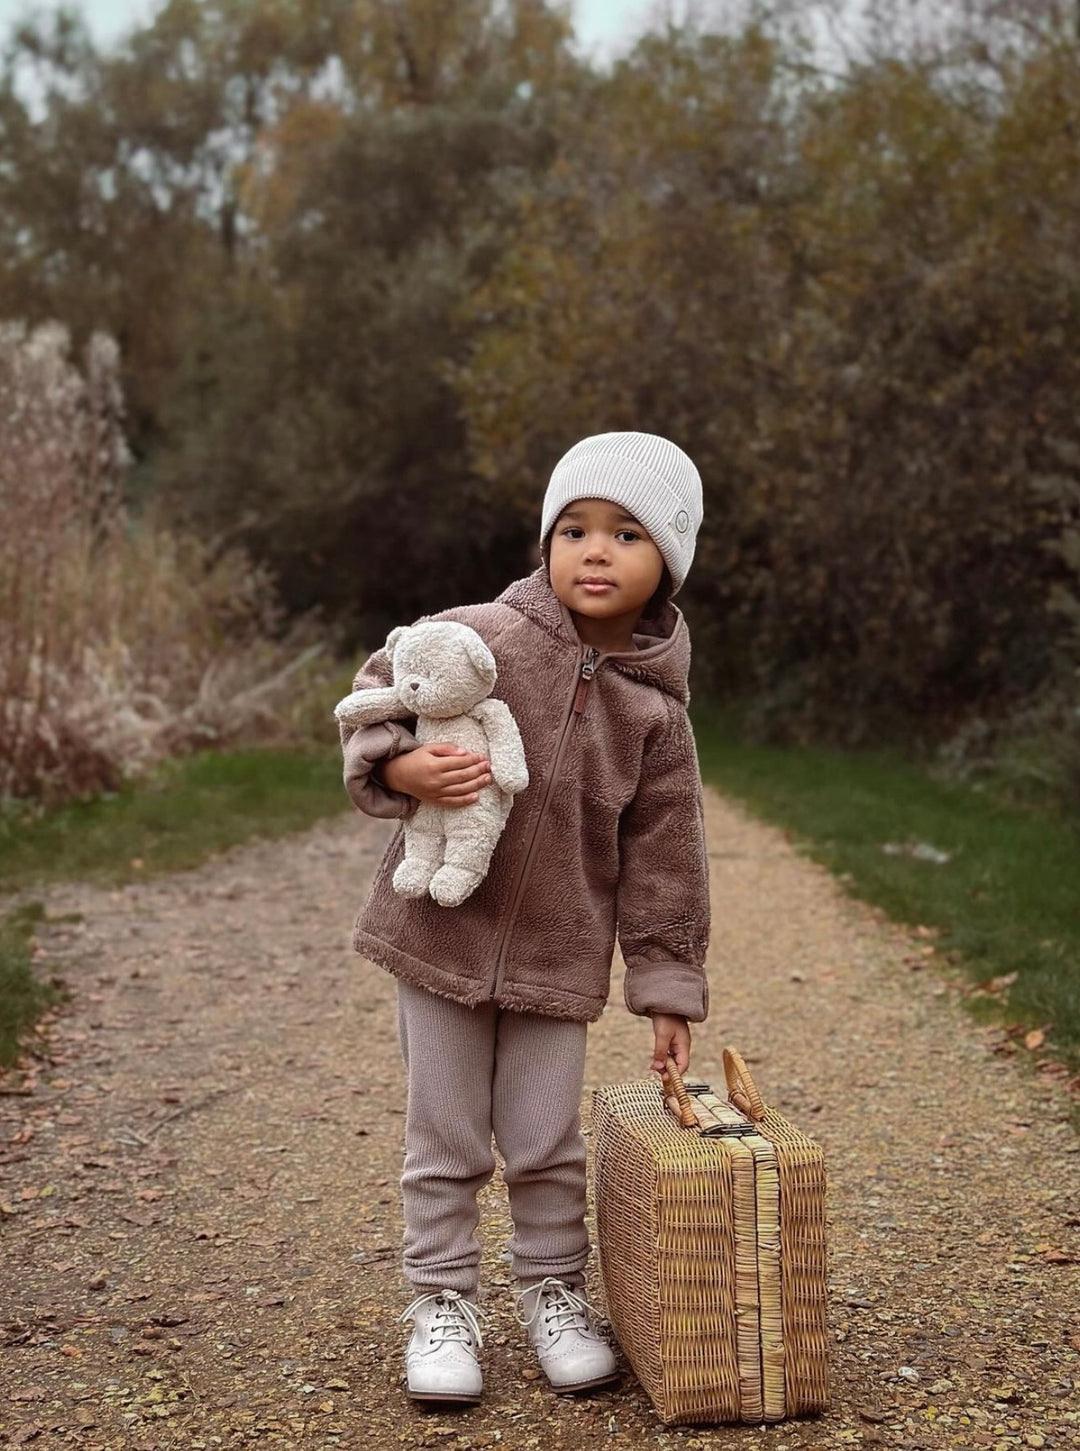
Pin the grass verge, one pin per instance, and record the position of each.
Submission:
(1004, 902)
(176, 818)
(23, 996)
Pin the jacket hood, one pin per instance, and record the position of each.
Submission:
(662, 654)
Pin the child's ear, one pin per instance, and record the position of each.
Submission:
(392, 639)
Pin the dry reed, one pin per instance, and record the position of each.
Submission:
(121, 641)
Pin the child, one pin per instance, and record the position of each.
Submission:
(494, 996)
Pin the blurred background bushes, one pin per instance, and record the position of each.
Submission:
(371, 265)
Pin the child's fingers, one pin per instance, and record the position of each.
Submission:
(680, 1048)
(454, 758)
(452, 794)
(671, 1044)
(661, 1043)
(452, 775)
(462, 781)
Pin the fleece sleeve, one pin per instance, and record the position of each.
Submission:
(663, 895)
(364, 749)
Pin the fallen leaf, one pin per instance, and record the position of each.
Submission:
(1035, 1039)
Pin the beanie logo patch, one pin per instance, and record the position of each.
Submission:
(682, 521)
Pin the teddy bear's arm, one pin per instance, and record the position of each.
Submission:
(370, 707)
(505, 750)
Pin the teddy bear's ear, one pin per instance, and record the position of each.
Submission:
(480, 656)
(392, 639)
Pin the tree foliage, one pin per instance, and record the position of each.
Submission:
(856, 307)
(373, 264)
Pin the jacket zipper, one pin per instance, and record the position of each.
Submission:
(585, 674)
(588, 670)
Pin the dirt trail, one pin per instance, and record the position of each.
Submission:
(200, 1213)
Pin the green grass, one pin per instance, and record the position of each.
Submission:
(23, 997)
(175, 819)
(1007, 900)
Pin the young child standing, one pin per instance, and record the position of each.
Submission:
(494, 996)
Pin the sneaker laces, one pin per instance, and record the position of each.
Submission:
(455, 1317)
(560, 1303)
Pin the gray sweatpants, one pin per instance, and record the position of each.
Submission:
(474, 1072)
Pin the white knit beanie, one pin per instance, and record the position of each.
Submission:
(650, 476)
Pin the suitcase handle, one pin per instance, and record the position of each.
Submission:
(675, 1088)
(742, 1091)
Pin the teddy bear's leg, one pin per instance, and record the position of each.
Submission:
(470, 840)
(424, 846)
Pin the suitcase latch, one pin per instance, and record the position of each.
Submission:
(716, 1118)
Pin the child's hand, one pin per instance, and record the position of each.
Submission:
(440, 774)
(671, 1039)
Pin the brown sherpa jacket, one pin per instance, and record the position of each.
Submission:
(609, 830)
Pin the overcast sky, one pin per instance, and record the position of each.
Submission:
(601, 24)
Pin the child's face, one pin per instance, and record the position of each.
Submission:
(602, 563)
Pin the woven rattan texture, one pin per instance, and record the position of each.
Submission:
(712, 1252)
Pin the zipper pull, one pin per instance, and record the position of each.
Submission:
(588, 670)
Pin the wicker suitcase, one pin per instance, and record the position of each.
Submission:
(711, 1234)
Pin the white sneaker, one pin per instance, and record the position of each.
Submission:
(571, 1354)
(440, 1361)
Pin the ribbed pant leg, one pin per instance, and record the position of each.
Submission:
(449, 1051)
(535, 1111)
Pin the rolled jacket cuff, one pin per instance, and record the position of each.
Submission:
(363, 752)
(667, 987)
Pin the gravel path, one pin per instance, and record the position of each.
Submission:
(199, 1196)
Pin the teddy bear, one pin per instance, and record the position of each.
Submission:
(443, 675)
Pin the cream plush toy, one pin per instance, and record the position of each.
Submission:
(443, 673)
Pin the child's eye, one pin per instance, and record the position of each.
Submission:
(573, 531)
(627, 534)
